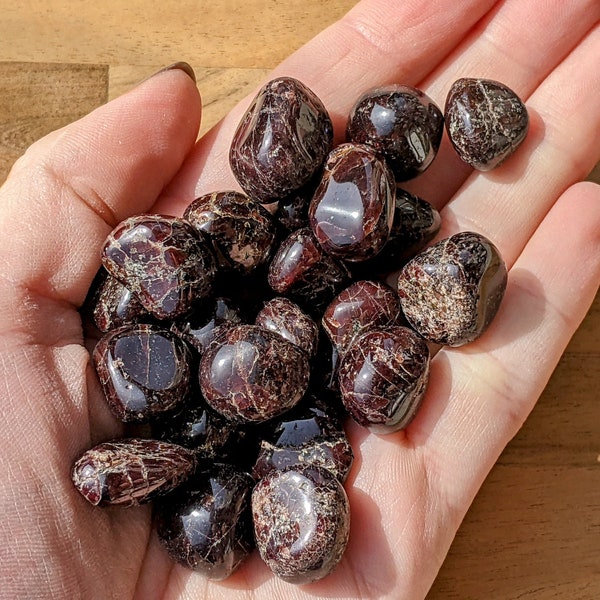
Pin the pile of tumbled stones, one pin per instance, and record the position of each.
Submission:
(243, 333)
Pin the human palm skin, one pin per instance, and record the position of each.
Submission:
(408, 491)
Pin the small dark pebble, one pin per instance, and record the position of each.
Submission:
(352, 209)
(281, 141)
(283, 317)
(242, 231)
(486, 121)
(252, 374)
(383, 377)
(400, 122)
(163, 261)
(131, 471)
(144, 370)
(451, 292)
(206, 525)
(363, 305)
(301, 522)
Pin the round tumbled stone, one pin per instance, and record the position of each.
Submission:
(486, 121)
(400, 122)
(451, 292)
(301, 522)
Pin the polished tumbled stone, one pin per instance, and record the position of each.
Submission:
(451, 292)
(486, 121)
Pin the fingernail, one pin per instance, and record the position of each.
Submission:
(180, 66)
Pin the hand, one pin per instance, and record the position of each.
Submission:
(408, 491)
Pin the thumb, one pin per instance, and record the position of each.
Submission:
(72, 187)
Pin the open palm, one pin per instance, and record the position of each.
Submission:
(408, 491)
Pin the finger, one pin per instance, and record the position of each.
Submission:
(518, 43)
(493, 384)
(378, 42)
(65, 195)
(562, 148)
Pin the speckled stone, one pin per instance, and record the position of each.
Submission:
(451, 292)
(144, 370)
(281, 141)
(207, 525)
(302, 270)
(361, 306)
(131, 471)
(415, 224)
(252, 375)
(306, 435)
(241, 230)
(301, 522)
(200, 327)
(383, 377)
(163, 261)
(352, 210)
(486, 121)
(283, 317)
(400, 122)
(113, 305)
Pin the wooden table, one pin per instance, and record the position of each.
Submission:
(534, 529)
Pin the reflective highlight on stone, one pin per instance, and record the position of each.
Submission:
(281, 141)
(402, 123)
(307, 435)
(130, 472)
(301, 522)
(144, 371)
(206, 526)
(242, 231)
(383, 377)
(283, 317)
(251, 375)
(352, 210)
(361, 306)
(302, 270)
(163, 261)
(451, 292)
(486, 121)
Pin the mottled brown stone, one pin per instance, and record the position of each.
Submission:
(306, 435)
(361, 306)
(302, 270)
(281, 141)
(352, 210)
(301, 522)
(486, 121)
(207, 525)
(283, 317)
(241, 230)
(451, 292)
(251, 375)
(131, 471)
(402, 123)
(383, 377)
(144, 370)
(163, 261)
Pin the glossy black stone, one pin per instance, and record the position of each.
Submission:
(206, 526)
(281, 141)
(402, 123)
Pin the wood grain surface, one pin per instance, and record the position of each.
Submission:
(534, 530)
